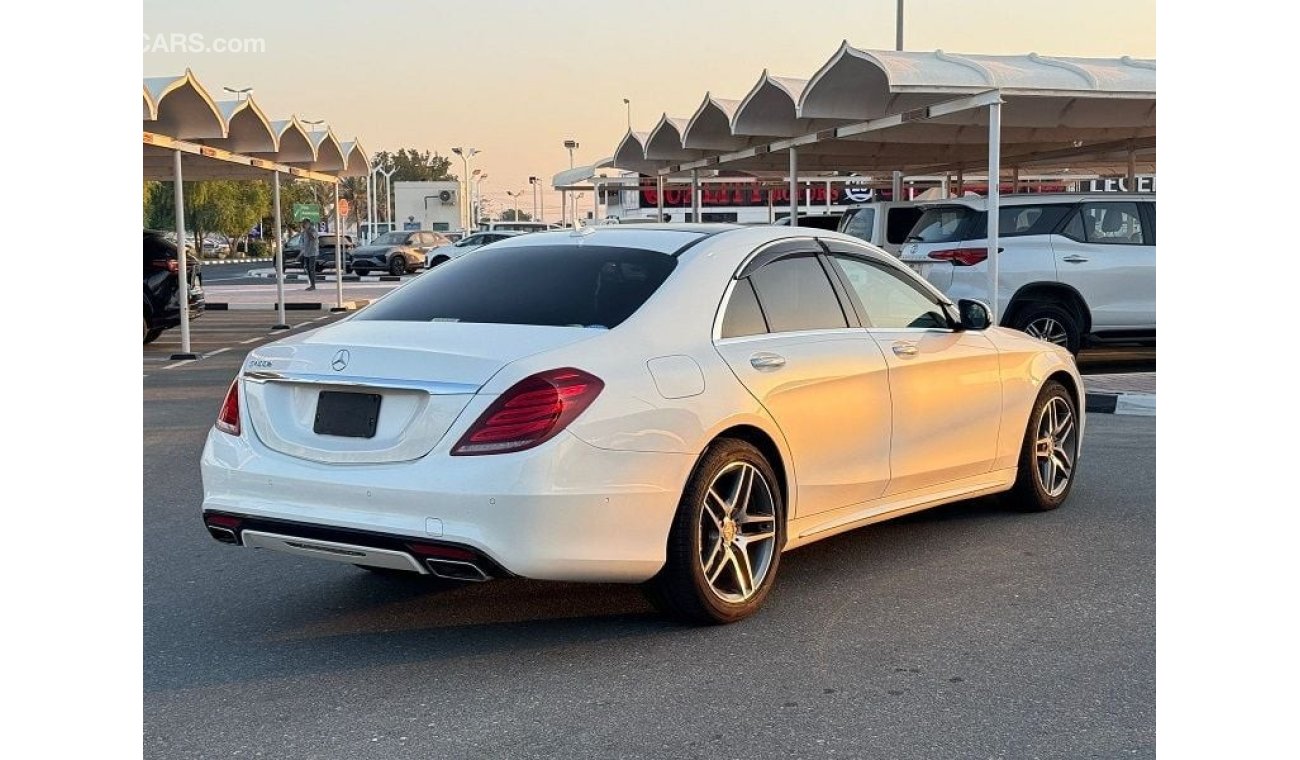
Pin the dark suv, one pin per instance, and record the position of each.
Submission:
(162, 307)
(396, 252)
(326, 243)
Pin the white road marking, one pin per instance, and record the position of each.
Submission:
(179, 364)
(250, 340)
(215, 352)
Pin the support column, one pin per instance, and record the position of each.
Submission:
(1132, 169)
(659, 197)
(828, 196)
(896, 187)
(595, 202)
(794, 186)
(182, 261)
(946, 186)
(281, 323)
(695, 196)
(961, 182)
(995, 172)
(1015, 180)
(338, 252)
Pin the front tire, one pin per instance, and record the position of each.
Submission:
(725, 543)
(1049, 454)
(397, 266)
(1051, 322)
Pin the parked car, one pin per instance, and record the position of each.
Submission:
(884, 225)
(632, 405)
(216, 247)
(1074, 269)
(327, 244)
(162, 302)
(815, 221)
(445, 253)
(398, 252)
(517, 226)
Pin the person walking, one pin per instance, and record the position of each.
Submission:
(310, 251)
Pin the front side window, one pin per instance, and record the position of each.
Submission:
(552, 285)
(890, 301)
(796, 295)
(1112, 224)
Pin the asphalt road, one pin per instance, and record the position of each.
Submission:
(966, 631)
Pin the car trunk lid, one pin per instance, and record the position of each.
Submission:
(364, 392)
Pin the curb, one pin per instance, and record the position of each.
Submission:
(305, 306)
(1138, 404)
(233, 261)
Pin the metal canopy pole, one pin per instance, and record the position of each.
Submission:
(695, 195)
(828, 196)
(1132, 169)
(182, 262)
(283, 323)
(595, 201)
(995, 173)
(659, 198)
(338, 251)
(896, 187)
(794, 185)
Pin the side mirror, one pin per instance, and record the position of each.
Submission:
(974, 314)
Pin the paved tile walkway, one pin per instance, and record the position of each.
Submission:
(1128, 382)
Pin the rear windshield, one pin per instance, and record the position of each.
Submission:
(943, 224)
(553, 285)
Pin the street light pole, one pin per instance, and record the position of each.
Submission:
(571, 145)
(465, 155)
(898, 37)
(533, 181)
(628, 103)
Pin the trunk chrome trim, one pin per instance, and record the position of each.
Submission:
(432, 387)
(332, 550)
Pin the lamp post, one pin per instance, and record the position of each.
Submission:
(536, 217)
(571, 145)
(478, 198)
(465, 155)
(628, 103)
(239, 93)
(515, 197)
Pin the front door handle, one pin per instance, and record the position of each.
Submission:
(905, 349)
(766, 360)
(1076, 259)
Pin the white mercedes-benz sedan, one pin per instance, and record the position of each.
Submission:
(672, 405)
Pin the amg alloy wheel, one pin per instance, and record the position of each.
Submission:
(726, 539)
(1050, 452)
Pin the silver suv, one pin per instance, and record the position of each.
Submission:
(1074, 269)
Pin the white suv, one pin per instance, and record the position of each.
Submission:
(1073, 269)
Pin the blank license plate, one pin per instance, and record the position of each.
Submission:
(352, 415)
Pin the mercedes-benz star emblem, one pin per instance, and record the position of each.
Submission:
(341, 359)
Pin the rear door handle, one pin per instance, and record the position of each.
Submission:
(905, 349)
(1075, 259)
(766, 360)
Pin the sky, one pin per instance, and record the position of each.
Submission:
(516, 78)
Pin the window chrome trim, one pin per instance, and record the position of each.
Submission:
(432, 387)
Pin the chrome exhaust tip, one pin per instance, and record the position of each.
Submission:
(456, 570)
(224, 535)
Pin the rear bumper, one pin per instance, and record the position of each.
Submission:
(565, 511)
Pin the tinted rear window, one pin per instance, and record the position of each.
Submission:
(1015, 221)
(858, 222)
(555, 285)
(944, 224)
(796, 295)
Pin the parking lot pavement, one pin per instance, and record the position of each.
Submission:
(219, 332)
(966, 631)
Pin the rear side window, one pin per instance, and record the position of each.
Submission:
(859, 223)
(1017, 221)
(554, 285)
(743, 317)
(796, 295)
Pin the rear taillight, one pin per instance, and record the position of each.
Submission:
(228, 418)
(171, 265)
(530, 412)
(962, 257)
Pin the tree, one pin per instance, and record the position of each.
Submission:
(508, 215)
(413, 165)
(225, 206)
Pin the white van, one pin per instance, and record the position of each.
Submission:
(517, 227)
(1074, 269)
(884, 225)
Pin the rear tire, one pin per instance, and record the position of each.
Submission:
(438, 260)
(725, 542)
(397, 266)
(150, 333)
(1051, 322)
(360, 271)
(1049, 454)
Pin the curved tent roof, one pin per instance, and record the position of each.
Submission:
(1054, 109)
(665, 140)
(181, 108)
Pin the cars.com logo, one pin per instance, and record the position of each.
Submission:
(194, 42)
